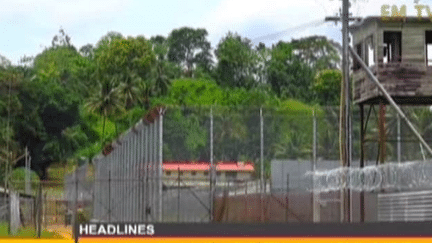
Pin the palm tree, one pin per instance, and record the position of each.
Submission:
(106, 102)
(147, 90)
(129, 89)
(162, 82)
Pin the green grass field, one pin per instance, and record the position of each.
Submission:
(27, 232)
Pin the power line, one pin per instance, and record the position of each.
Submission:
(305, 26)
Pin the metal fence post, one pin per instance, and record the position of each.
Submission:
(155, 170)
(151, 172)
(261, 163)
(287, 198)
(315, 194)
(136, 175)
(39, 211)
(109, 195)
(14, 208)
(160, 168)
(140, 168)
(44, 210)
(178, 194)
(261, 150)
(113, 185)
(211, 167)
(75, 212)
(146, 173)
(246, 200)
(132, 178)
(125, 179)
(117, 181)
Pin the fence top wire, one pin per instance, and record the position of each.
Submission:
(250, 111)
(242, 108)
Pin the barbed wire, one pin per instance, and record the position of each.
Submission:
(398, 176)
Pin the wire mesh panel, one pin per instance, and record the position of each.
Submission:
(4, 209)
(27, 207)
(131, 185)
(401, 143)
(186, 134)
(127, 177)
(186, 200)
(405, 206)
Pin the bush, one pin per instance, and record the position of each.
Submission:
(18, 179)
(83, 216)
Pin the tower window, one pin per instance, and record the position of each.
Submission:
(392, 46)
(428, 42)
(358, 49)
(369, 52)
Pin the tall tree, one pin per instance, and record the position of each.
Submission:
(62, 40)
(48, 109)
(264, 57)
(10, 108)
(106, 39)
(122, 57)
(160, 47)
(288, 75)
(123, 67)
(126, 63)
(189, 48)
(318, 52)
(106, 102)
(87, 51)
(163, 71)
(50, 103)
(236, 61)
(4, 62)
(55, 63)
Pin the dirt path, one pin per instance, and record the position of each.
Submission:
(64, 231)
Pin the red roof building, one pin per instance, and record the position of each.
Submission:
(205, 166)
(200, 170)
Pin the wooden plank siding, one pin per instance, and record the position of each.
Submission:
(408, 81)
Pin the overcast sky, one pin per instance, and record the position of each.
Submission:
(27, 26)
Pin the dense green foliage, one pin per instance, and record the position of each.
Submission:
(18, 177)
(65, 104)
(236, 61)
(189, 47)
(327, 86)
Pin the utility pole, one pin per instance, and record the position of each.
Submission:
(346, 113)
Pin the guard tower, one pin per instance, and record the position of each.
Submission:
(399, 53)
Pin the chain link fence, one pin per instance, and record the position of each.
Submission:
(127, 181)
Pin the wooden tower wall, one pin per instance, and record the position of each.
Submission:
(408, 81)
